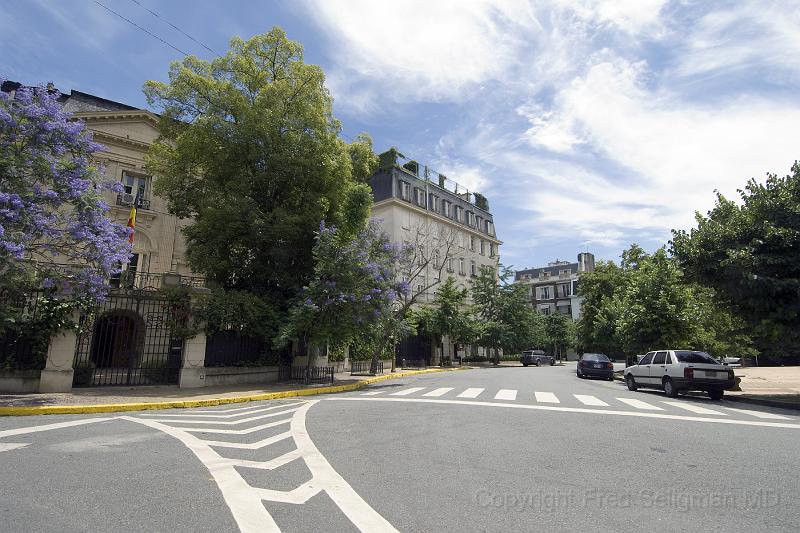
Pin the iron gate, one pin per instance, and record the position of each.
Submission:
(128, 340)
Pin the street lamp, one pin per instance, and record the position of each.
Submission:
(396, 307)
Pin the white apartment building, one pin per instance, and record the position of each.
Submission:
(554, 288)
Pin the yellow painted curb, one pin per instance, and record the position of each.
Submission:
(182, 404)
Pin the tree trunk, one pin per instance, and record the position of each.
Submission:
(373, 368)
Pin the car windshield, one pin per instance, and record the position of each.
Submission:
(686, 356)
(595, 357)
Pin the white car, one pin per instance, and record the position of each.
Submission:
(675, 371)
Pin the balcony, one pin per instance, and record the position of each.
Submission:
(128, 200)
(151, 281)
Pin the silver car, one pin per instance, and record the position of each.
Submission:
(676, 371)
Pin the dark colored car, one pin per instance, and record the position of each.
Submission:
(595, 365)
(536, 357)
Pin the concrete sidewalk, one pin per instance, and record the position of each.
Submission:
(110, 399)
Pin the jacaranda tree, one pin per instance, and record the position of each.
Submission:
(51, 206)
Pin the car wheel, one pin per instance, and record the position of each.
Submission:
(552, 362)
(611, 378)
(578, 372)
(669, 388)
(524, 364)
(537, 363)
(716, 394)
(630, 382)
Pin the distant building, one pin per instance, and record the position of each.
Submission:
(554, 288)
(453, 225)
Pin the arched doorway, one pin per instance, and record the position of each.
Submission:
(117, 340)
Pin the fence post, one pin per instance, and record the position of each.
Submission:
(58, 373)
(193, 371)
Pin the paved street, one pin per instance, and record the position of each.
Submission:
(494, 449)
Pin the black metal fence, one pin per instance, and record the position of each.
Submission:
(23, 345)
(307, 374)
(128, 340)
(413, 363)
(364, 368)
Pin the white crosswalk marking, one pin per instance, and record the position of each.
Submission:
(759, 414)
(506, 394)
(471, 393)
(406, 392)
(438, 392)
(639, 404)
(546, 397)
(590, 400)
(373, 393)
(695, 408)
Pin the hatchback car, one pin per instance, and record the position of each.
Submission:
(595, 365)
(675, 371)
(536, 357)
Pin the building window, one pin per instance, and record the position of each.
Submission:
(483, 250)
(461, 267)
(138, 186)
(473, 269)
(459, 213)
(478, 223)
(446, 208)
(419, 197)
(544, 293)
(405, 190)
(566, 272)
(563, 290)
(490, 228)
(472, 243)
(545, 310)
(471, 219)
(492, 254)
(450, 265)
(434, 203)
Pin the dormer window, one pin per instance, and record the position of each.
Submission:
(405, 190)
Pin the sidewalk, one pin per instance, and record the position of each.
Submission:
(111, 399)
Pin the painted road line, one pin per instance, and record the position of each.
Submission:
(263, 443)
(546, 397)
(438, 392)
(406, 392)
(48, 427)
(249, 408)
(237, 431)
(373, 393)
(506, 394)
(695, 408)
(639, 404)
(590, 400)
(760, 414)
(586, 410)
(471, 393)
(221, 422)
(193, 414)
(8, 446)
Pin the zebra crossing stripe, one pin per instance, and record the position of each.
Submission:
(639, 404)
(506, 394)
(438, 392)
(546, 397)
(406, 392)
(695, 408)
(471, 393)
(373, 393)
(590, 400)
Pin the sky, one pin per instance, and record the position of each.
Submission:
(589, 124)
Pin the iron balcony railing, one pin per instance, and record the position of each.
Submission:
(135, 279)
(128, 200)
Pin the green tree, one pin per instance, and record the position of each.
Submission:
(601, 291)
(560, 333)
(249, 150)
(750, 254)
(448, 316)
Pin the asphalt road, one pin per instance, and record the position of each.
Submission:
(496, 449)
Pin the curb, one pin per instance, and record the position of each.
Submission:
(183, 404)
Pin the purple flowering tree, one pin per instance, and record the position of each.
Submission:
(51, 207)
(354, 292)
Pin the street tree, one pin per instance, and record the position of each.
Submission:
(51, 206)
(601, 291)
(560, 333)
(249, 150)
(749, 253)
(448, 316)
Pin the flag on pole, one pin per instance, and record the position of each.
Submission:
(132, 224)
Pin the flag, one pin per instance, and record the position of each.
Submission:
(132, 224)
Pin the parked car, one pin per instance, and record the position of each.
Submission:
(595, 365)
(536, 357)
(676, 371)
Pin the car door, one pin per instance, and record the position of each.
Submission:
(641, 372)
(658, 368)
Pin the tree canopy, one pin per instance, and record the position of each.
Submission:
(749, 253)
(250, 150)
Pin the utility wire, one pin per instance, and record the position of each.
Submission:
(174, 26)
(129, 21)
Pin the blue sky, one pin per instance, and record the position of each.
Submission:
(589, 124)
